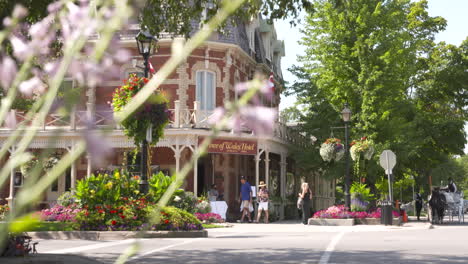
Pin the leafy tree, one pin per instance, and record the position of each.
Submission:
(380, 57)
(37, 9)
(173, 16)
(178, 17)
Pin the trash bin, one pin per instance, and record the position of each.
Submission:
(386, 215)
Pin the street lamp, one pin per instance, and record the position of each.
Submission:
(346, 115)
(146, 44)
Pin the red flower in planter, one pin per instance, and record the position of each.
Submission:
(166, 221)
(100, 211)
(122, 216)
(114, 222)
(113, 212)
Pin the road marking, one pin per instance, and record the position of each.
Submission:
(331, 246)
(179, 244)
(91, 247)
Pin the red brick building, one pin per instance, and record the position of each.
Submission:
(203, 82)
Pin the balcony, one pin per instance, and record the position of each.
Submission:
(181, 118)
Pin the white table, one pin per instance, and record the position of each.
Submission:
(219, 207)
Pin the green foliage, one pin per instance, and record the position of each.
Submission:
(158, 185)
(174, 17)
(173, 218)
(186, 201)
(4, 209)
(107, 189)
(66, 199)
(361, 191)
(406, 92)
(203, 207)
(153, 113)
(22, 104)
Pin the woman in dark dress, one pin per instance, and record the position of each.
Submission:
(419, 204)
(306, 195)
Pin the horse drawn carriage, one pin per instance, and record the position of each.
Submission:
(443, 203)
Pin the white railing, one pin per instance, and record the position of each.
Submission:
(188, 118)
(180, 118)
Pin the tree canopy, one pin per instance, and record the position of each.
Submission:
(178, 17)
(407, 93)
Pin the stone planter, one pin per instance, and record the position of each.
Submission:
(331, 222)
(376, 221)
(115, 235)
(350, 221)
(368, 221)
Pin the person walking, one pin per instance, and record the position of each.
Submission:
(263, 197)
(306, 195)
(245, 199)
(419, 204)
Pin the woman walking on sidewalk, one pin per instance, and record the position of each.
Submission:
(306, 195)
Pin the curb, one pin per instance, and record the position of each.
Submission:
(115, 235)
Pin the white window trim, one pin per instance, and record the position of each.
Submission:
(205, 87)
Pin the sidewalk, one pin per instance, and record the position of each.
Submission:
(297, 226)
(49, 259)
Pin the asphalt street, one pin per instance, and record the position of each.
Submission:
(287, 242)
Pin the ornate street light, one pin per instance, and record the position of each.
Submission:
(146, 44)
(346, 115)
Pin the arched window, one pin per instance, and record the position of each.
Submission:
(206, 90)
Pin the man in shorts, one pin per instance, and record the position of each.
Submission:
(245, 198)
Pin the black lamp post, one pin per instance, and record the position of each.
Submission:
(346, 115)
(146, 45)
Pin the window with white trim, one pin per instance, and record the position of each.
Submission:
(206, 90)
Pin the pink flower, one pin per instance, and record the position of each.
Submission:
(8, 71)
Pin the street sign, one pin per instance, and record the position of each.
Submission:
(387, 161)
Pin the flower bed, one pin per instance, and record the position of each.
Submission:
(339, 212)
(209, 218)
(113, 203)
(60, 213)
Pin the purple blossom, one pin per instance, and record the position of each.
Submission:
(217, 115)
(10, 120)
(8, 72)
(98, 147)
(266, 88)
(20, 48)
(20, 12)
(258, 118)
(33, 85)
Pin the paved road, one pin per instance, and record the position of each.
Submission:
(288, 242)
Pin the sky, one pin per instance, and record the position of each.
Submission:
(454, 11)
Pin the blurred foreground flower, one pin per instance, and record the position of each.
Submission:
(252, 115)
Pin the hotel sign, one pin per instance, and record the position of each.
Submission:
(232, 146)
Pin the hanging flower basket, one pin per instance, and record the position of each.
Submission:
(152, 114)
(332, 149)
(28, 166)
(51, 161)
(362, 146)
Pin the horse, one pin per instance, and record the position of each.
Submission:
(438, 204)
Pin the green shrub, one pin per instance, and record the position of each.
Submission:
(158, 185)
(173, 218)
(186, 201)
(361, 191)
(66, 199)
(4, 209)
